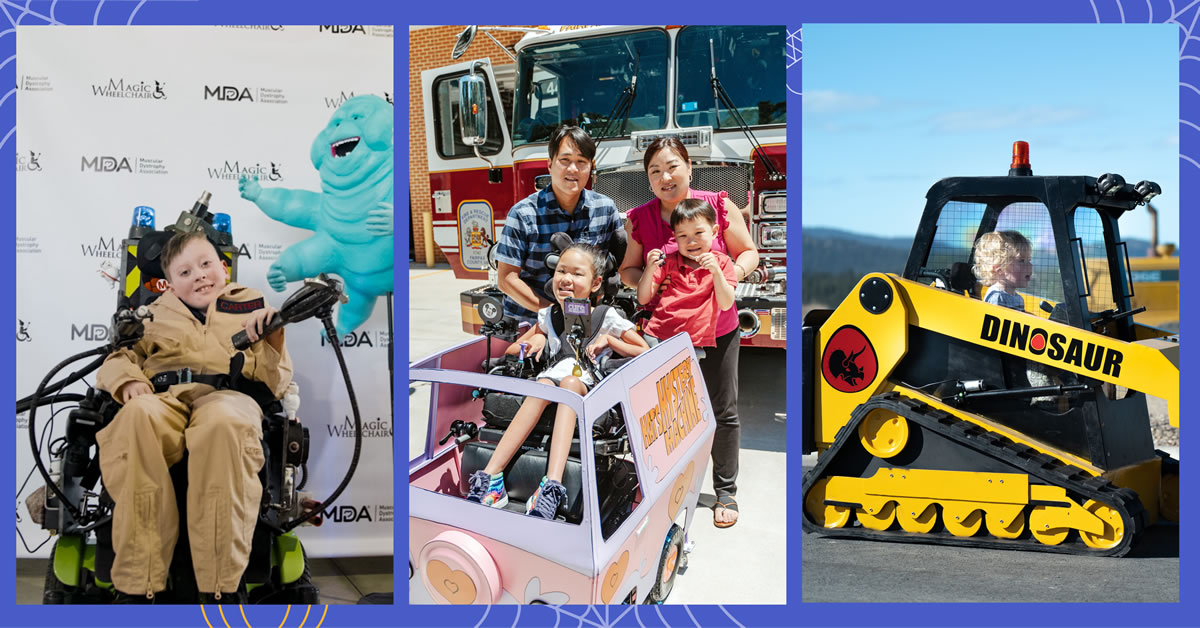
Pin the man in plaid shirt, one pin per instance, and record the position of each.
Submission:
(566, 206)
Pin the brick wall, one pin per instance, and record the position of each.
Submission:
(430, 48)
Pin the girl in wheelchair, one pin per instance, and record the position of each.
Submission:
(579, 274)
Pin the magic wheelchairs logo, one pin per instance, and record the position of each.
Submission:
(28, 161)
(131, 89)
(251, 27)
(333, 102)
(107, 248)
(23, 331)
(233, 170)
(378, 427)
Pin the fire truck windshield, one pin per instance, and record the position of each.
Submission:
(579, 82)
(750, 63)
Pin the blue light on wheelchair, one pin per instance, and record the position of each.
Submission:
(143, 216)
(221, 222)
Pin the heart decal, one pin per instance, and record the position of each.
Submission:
(454, 585)
(613, 577)
(680, 490)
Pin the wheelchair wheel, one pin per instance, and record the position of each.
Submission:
(302, 591)
(55, 591)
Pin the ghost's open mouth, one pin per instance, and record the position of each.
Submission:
(341, 148)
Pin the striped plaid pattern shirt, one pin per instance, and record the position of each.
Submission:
(525, 240)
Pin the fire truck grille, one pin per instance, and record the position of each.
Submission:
(631, 188)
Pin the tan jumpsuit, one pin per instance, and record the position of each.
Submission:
(221, 430)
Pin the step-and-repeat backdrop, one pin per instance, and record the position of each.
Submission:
(112, 118)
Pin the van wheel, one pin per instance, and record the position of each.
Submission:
(668, 566)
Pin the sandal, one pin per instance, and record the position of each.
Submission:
(731, 505)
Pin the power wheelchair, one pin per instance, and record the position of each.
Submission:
(616, 474)
(69, 506)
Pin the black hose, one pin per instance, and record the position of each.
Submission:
(331, 332)
(34, 402)
(67, 381)
(59, 398)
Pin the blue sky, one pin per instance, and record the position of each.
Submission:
(890, 109)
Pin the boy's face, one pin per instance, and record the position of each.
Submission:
(695, 237)
(1018, 272)
(197, 275)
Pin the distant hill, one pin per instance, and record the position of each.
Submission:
(834, 260)
(833, 250)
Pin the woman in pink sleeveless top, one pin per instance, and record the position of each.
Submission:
(670, 172)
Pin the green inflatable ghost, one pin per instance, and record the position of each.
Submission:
(351, 216)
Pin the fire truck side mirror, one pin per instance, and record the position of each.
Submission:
(464, 41)
(472, 108)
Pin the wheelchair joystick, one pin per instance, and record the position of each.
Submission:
(461, 431)
(129, 324)
(315, 298)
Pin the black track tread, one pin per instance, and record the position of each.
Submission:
(1043, 467)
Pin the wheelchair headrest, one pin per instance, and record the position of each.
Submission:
(616, 252)
(617, 245)
(149, 255)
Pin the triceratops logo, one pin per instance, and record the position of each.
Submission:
(849, 363)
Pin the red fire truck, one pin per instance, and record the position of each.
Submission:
(720, 89)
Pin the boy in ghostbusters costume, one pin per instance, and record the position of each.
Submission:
(177, 393)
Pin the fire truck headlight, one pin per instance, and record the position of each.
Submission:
(775, 204)
(772, 236)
